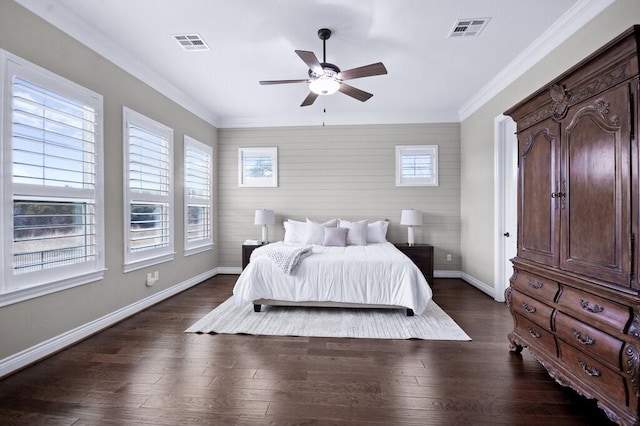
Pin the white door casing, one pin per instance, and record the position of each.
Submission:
(505, 204)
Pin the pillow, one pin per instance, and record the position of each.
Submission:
(295, 231)
(335, 237)
(315, 231)
(357, 235)
(377, 232)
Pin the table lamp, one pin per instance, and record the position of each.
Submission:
(265, 218)
(411, 218)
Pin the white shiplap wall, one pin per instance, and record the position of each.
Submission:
(343, 172)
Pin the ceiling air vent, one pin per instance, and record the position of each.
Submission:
(468, 27)
(191, 42)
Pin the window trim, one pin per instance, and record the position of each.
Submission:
(204, 244)
(143, 259)
(259, 182)
(408, 150)
(41, 283)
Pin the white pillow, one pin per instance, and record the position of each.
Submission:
(377, 231)
(357, 235)
(315, 231)
(295, 231)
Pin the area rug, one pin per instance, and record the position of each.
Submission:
(433, 324)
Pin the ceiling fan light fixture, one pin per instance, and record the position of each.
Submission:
(324, 85)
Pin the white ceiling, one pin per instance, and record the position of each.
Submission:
(431, 77)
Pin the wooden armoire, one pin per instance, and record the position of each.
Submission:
(574, 291)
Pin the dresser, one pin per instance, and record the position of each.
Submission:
(574, 293)
(422, 256)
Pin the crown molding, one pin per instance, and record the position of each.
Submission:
(354, 119)
(568, 24)
(68, 22)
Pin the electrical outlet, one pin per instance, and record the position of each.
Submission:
(152, 278)
(448, 257)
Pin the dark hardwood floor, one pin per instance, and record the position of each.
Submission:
(146, 370)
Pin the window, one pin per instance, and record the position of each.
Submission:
(52, 196)
(148, 211)
(258, 167)
(417, 165)
(198, 196)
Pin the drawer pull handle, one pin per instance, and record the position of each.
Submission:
(535, 284)
(586, 341)
(593, 372)
(529, 308)
(534, 333)
(595, 310)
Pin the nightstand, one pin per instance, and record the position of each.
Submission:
(247, 249)
(422, 256)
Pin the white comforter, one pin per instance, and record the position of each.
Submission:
(377, 273)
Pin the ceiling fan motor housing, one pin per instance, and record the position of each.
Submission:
(330, 70)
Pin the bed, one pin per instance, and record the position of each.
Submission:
(366, 275)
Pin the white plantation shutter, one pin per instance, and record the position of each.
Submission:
(198, 197)
(417, 165)
(53, 200)
(149, 191)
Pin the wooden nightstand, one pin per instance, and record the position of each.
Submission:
(422, 256)
(247, 249)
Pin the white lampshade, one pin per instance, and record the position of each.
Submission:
(411, 218)
(264, 217)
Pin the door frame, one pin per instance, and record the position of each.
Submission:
(504, 138)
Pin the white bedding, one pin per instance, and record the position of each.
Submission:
(377, 273)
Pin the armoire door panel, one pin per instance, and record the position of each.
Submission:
(595, 219)
(538, 212)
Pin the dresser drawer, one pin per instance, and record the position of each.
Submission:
(536, 335)
(595, 308)
(593, 373)
(532, 309)
(597, 343)
(536, 286)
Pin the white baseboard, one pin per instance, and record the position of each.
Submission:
(446, 274)
(468, 278)
(478, 284)
(232, 270)
(48, 347)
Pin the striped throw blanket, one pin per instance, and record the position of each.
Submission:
(286, 257)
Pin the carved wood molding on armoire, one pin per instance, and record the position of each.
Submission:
(574, 293)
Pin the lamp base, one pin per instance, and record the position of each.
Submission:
(410, 236)
(265, 234)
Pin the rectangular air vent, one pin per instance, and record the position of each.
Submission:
(468, 27)
(191, 42)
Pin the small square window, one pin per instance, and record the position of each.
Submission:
(417, 165)
(258, 167)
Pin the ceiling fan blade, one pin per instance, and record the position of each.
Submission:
(358, 94)
(310, 99)
(283, 81)
(365, 71)
(311, 60)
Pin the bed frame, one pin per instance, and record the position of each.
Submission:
(257, 305)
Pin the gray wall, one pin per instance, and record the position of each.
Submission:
(25, 324)
(477, 152)
(341, 171)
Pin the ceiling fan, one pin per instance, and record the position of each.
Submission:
(327, 79)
